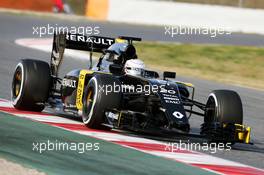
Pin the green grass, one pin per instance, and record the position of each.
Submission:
(78, 6)
(233, 64)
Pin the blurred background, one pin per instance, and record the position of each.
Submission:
(79, 6)
(235, 3)
(218, 62)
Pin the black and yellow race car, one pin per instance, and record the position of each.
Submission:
(81, 93)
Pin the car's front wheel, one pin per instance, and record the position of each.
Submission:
(223, 110)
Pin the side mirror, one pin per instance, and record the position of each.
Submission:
(116, 69)
(169, 75)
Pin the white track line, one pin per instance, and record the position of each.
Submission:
(45, 45)
(50, 119)
(116, 137)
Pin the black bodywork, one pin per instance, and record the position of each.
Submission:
(169, 109)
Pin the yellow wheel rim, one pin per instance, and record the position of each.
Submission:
(89, 96)
(18, 78)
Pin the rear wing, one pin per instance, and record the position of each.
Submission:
(92, 44)
(76, 42)
(88, 43)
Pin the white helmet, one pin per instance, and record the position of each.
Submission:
(134, 67)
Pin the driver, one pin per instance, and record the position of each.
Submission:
(135, 67)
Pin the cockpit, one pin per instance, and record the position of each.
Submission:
(121, 59)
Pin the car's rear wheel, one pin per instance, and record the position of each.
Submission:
(31, 85)
(96, 101)
(223, 108)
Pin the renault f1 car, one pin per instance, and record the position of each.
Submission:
(82, 93)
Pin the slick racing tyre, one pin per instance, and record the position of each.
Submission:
(96, 101)
(31, 85)
(223, 107)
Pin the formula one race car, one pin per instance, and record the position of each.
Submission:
(105, 96)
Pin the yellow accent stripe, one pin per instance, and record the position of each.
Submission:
(247, 139)
(186, 84)
(80, 88)
(243, 133)
(118, 40)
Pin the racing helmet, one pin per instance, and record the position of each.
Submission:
(134, 67)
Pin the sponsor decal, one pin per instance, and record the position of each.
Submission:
(69, 83)
(177, 114)
(112, 115)
(167, 91)
(80, 89)
(69, 106)
(173, 99)
(95, 40)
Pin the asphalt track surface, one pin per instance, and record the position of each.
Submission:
(13, 27)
